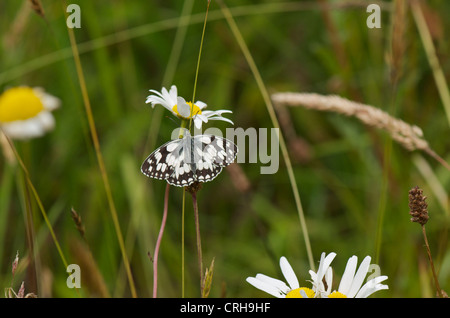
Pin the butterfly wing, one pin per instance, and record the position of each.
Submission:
(183, 170)
(211, 154)
(183, 161)
(160, 164)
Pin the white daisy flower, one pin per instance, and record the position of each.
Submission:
(178, 106)
(324, 272)
(25, 112)
(278, 288)
(351, 281)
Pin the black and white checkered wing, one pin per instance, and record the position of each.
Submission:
(184, 161)
(212, 153)
(162, 162)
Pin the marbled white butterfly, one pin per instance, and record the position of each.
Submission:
(183, 161)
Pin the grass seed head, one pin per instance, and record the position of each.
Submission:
(418, 206)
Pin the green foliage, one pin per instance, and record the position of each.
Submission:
(125, 47)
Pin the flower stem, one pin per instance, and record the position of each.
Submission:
(158, 242)
(436, 282)
(199, 242)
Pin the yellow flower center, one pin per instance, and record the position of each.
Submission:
(194, 111)
(336, 294)
(19, 103)
(295, 293)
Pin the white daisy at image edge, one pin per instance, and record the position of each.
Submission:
(25, 112)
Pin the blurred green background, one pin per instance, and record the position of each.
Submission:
(129, 47)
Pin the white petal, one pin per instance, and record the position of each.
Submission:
(359, 277)
(200, 104)
(23, 129)
(155, 100)
(164, 98)
(265, 287)
(288, 273)
(366, 292)
(324, 264)
(173, 93)
(313, 275)
(46, 120)
(169, 97)
(222, 119)
(217, 112)
(155, 92)
(349, 273)
(197, 122)
(183, 108)
(274, 282)
(371, 287)
(329, 279)
(50, 102)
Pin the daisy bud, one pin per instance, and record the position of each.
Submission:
(418, 206)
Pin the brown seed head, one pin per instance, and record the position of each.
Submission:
(417, 205)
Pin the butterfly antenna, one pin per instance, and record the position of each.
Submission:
(173, 121)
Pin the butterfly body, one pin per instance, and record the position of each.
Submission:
(190, 159)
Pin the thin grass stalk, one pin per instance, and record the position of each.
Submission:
(100, 161)
(182, 243)
(194, 192)
(198, 61)
(430, 259)
(396, 48)
(419, 212)
(199, 241)
(32, 269)
(259, 81)
(158, 242)
(37, 198)
(384, 187)
(17, 26)
(438, 74)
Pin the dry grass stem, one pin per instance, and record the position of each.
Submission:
(398, 45)
(419, 212)
(273, 117)
(100, 161)
(430, 50)
(409, 136)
